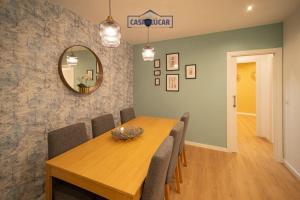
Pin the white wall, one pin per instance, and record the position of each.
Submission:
(291, 68)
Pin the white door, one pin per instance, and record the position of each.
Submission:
(264, 93)
(264, 96)
(232, 144)
(276, 116)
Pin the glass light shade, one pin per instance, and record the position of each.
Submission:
(72, 60)
(148, 53)
(110, 33)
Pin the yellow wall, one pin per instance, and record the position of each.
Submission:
(246, 87)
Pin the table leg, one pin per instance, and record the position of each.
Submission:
(138, 194)
(48, 184)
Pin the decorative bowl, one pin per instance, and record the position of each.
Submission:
(127, 132)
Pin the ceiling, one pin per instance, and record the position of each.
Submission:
(191, 17)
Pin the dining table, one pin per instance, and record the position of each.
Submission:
(112, 168)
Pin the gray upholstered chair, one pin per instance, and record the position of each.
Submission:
(127, 114)
(176, 132)
(182, 155)
(102, 124)
(154, 183)
(60, 141)
(64, 139)
(185, 119)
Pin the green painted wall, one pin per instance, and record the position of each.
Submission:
(204, 97)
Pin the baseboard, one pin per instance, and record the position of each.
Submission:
(206, 146)
(291, 169)
(248, 114)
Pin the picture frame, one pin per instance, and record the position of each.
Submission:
(157, 81)
(190, 71)
(157, 72)
(172, 62)
(172, 82)
(90, 73)
(156, 63)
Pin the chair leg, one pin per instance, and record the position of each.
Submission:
(167, 192)
(180, 172)
(181, 158)
(184, 157)
(177, 180)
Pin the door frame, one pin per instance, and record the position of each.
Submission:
(277, 99)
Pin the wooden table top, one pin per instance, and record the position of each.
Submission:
(118, 165)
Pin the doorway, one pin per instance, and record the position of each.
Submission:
(261, 71)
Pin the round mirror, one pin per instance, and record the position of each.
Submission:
(80, 69)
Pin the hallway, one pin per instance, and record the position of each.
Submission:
(255, 148)
(249, 174)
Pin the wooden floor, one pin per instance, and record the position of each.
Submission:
(249, 174)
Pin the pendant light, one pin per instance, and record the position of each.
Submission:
(148, 51)
(110, 31)
(72, 59)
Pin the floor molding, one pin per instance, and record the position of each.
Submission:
(249, 114)
(291, 169)
(206, 146)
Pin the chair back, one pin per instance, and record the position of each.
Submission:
(127, 114)
(155, 181)
(185, 119)
(176, 132)
(102, 124)
(64, 139)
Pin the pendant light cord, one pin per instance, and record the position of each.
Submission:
(109, 7)
(148, 35)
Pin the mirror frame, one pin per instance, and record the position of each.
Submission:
(99, 80)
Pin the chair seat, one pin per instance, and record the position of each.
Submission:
(66, 191)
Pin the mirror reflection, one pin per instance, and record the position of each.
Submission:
(80, 69)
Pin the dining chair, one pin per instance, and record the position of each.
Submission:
(64, 139)
(182, 155)
(102, 124)
(153, 188)
(127, 114)
(60, 141)
(185, 119)
(176, 132)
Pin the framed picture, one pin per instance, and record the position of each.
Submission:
(156, 81)
(190, 71)
(172, 62)
(90, 74)
(172, 82)
(157, 63)
(157, 73)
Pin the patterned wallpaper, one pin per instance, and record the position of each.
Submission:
(34, 101)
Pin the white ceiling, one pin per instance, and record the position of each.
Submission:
(191, 17)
